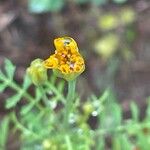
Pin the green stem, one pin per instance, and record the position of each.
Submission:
(69, 102)
(55, 91)
(68, 142)
(45, 98)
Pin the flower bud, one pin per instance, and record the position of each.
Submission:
(88, 108)
(37, 72)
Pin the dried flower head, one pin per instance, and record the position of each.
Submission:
(67, 62)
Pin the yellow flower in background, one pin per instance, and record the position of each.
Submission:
(67, 62)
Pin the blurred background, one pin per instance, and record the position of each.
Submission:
(112, 35)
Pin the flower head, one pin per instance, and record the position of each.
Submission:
(67, 62)
(37, 72)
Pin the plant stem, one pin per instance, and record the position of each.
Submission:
(55, 91)
(69, 102)
(68, 142)
(45, 98)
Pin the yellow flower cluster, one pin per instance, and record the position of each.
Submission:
(67, 60)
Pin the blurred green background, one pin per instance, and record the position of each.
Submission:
(112, 35)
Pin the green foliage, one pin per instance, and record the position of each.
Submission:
(42, 6)
(135, 111)
(40, 121)
(99, 2)
(4, 129)
(119, 1)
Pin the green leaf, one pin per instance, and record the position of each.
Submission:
(9, 68)
(125, 143)
(142, 141)
(119, 1)
(41, 6)
(99, 2)
(38, 96)
(111, 116)
(117, 114)
(2, 76)
(134, 111)
(101, 143)
(2, 86)
(12, 101)
(4, 127)
(104, 97)
(121, 142)
(25, 109)
(116, 145)
(26, 82)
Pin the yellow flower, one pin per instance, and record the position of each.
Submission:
(67, 62)
(66, 43)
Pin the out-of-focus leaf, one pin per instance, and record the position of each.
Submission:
(116, 145)
(119, 1)
(117, 114)
(12, 101)
(2, 76)
(99, 2)
(9, 68)
(81, 1)
(2, 86)
(25, 109)
(107, 46)
(121, 142)
(127, 54)
(38, 95)
(101, 143)
(41, 6)
(134, 111)
(108, 22)
(143, 141)
(111, 116)
(130, 34)
(4, 127)
(125, 143)
(26, 82)
(127, 15)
